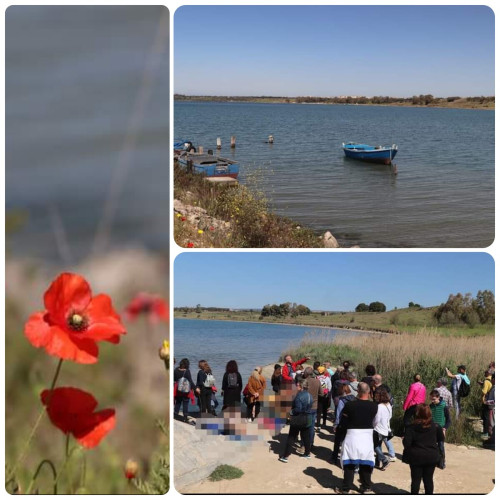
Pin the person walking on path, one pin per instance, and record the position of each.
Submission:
(232, 385)
(276, 378)
(313, 387)
(324, 396)
(256, 386)
(205, 382)
(377, 387)
(485, 408)
(444, 392)
(184, 384)
(382, 426)
(300, 422)
(421, 449)
(416, 395)
(440, 416)
(353, 383)
(457, 390)
(357, 450)
(290, 367)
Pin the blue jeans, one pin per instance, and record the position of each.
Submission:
(389, 446)
(380, 457)
(311, 429)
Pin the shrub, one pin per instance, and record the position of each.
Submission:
(225, 472)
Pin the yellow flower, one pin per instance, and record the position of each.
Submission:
(164, 351)
(200, 231)
(178, 215)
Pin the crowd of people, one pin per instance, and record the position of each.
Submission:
(361, 411)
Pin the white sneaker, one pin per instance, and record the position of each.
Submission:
(391, 459)
(249, 420)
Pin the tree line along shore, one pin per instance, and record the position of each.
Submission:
(422, 100)
(397, 321)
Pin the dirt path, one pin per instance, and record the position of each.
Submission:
(469, 470)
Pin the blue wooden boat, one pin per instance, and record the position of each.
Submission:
(375, 154)
(209, 165)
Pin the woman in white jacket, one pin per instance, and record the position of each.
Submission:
(381, 427)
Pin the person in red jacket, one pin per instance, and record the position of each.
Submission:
(290, 367)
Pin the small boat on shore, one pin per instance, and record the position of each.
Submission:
(208, 165)
(375, 154)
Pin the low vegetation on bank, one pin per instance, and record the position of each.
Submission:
(399, 357)
(236, 217)
(411, 320)
(427, 100)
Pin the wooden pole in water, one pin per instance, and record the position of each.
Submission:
(271, 139)
(233, 141)
(200, 149)
(219, 143)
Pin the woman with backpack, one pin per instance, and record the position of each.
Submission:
(183, 384)
(416, 395)
(421, 449)
(256, 385)
(204, 387)
(324, 399)
(232, 384)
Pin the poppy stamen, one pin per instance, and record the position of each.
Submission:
(77, 322)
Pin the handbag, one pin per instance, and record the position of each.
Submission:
(300, 420)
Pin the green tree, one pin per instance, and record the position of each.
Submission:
(376, 307)
(362, 308)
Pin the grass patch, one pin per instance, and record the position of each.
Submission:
(252, 224)
(225, 472)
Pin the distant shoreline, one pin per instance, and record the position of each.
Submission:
(478, 103)
(345, 329)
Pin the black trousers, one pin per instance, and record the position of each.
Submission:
(365, 477)
(184, 400)
(205, 400)
(323, 405)
(250, 407)
(305, 435)
(339, 437)
(425, 472)
(485, 415)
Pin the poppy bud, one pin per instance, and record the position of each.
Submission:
(164, 351)
(131, 468)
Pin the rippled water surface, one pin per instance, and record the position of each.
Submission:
(74, 76)
(250, 344)
(442, 196)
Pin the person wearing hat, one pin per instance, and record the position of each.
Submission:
(458, 379)
(324, 398)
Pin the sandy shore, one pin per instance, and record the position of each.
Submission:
(469, 470)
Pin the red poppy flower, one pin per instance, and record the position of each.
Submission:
(73, 321)
(153, 306)
(183, 219)
(190, 244)
(72, 411)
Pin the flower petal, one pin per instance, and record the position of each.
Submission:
(104, 322)
(80, 350)
(67, 405)
(94, 427)
(68, 292)
(37, 329)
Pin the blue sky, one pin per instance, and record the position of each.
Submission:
(330, 281)
(334, 50)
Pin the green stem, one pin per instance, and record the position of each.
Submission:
(63, 467)
(38, 420)
(39, 468)
(84, 470)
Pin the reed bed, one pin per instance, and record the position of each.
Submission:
(399, 357)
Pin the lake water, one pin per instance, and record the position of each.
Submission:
(250, 344)
(443, 195)
(74, 76)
